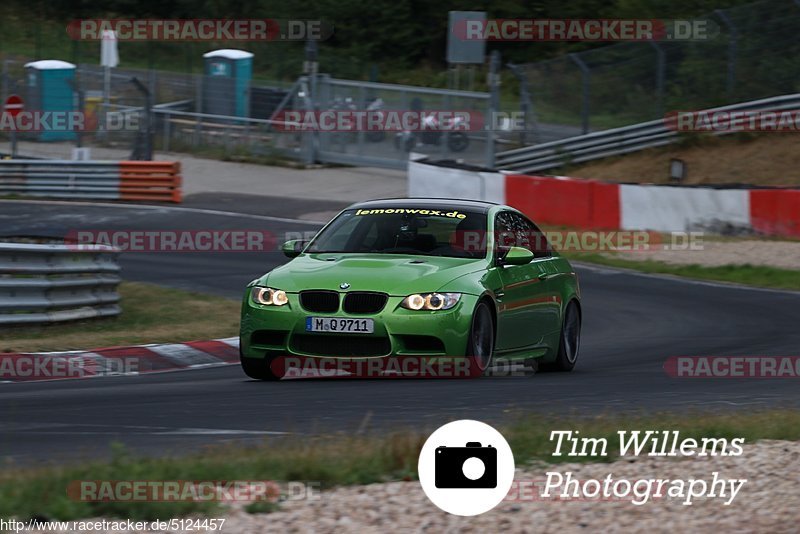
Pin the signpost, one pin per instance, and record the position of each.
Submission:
(109, 58)
(13, 106)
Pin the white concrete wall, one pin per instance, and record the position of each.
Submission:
(667, 209)
(431, 181)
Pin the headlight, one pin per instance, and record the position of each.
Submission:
(268, 296)
(431, 301)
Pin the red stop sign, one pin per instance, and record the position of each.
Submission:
(13, 105)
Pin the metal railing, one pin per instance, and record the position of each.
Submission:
(113, 180)
(60, 178)
(618, 141)
(52, 283)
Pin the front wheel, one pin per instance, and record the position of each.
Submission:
(569, 341)
(481, 341)
(258, 368)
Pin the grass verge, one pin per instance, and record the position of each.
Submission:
(751, 275)
(150, 314)
(340, 460)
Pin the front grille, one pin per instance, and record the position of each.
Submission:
(338, 345)
(364, 302)
(320, 301)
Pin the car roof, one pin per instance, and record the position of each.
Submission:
(443, 203)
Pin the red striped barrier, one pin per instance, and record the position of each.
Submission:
(564, 201)
(775, 211)
(592, 204)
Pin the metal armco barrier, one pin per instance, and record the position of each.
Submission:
(51, 283)
(618, 141)
(110, 180)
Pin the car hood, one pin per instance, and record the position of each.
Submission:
(397, 275)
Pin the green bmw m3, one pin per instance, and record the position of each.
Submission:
(415, 279)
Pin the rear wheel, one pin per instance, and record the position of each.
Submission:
(258, 368)
(481, 340)
(569, 341)
(458, 141)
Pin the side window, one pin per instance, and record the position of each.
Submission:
(538, 243)
(514, 230)
(504, 235)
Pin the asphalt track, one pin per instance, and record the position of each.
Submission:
(632, 324)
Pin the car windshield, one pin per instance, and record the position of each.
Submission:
(450, 232)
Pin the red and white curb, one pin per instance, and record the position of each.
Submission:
(116, 361)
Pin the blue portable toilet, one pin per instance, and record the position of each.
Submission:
(226, 83)
(50, 88)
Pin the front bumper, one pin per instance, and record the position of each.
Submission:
(281, 330)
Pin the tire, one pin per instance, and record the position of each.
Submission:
(458, 141)
(258, 368)
(480, 345)
(569, 341)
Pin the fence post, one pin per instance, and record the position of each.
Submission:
(167, 133)
(144, 143)
(660, 74)
(76, 87)
(198, 107)
(5, 90)
(494, 100)
(526, 105)
(733, 39)
(311, 68)
(445, 146)
(586, 76)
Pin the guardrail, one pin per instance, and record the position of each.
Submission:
(617, 141)
(52, 283)
(111, 180)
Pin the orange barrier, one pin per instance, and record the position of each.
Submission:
(150, 180)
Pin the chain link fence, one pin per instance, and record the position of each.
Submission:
(755, 55)
(391, 147)
(214, 116)
(188, 113)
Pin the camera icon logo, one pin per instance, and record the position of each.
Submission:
(466, 467)
(472, 466)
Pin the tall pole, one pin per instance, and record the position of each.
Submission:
(494, 104)
(585, 83)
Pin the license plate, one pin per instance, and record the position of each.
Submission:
(336, 324)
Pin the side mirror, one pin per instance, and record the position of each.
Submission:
(293, 248)
(517, 256)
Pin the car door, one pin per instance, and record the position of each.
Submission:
(525, 298)
(543, 256)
